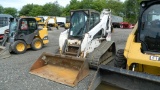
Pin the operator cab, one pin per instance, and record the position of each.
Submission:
(149, 27)
(22, 28)
(23, 25)
(82, 21)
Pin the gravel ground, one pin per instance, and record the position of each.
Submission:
(120, 37)
(14, 71)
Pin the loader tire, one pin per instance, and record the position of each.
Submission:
(36, 44)
(112, 29)
(19, 47)
(120, 61)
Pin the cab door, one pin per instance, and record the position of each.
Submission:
(27, 29)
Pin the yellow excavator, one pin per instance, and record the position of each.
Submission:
(40, 21)
(87, 43)
(45, 23)
(52, 23)
(67, 24)
(24, 33)
(137, 67)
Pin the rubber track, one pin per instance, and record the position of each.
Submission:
(94, 57)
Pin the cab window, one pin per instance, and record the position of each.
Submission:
(24, 24)
(3, 21)
(32, 25)
(27, 26)
(94, 20)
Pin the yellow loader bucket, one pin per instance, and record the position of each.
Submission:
(61, 68)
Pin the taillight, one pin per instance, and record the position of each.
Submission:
(1, 36)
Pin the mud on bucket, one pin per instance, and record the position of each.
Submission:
(60, 68)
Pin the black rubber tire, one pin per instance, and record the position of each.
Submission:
(14, 47)
(112, 29)
(120, 61)
(33, 44)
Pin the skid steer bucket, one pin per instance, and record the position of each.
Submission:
(124, 79)
(60, 68)
(4, 52)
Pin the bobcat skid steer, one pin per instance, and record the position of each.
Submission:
(137, 67)
(87, 43)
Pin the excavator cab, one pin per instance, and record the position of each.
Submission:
(137, 66)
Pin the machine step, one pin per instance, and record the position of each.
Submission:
(71, 53)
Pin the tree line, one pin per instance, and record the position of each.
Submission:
(8, 10)
(128, 10)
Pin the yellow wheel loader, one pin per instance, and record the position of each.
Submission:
(24, 33)
(87, 43)
(137, 67)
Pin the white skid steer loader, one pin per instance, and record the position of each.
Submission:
(86, 44)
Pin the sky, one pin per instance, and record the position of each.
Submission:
(19, 3)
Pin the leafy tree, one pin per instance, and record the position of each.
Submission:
(1, 9)
(98, 5)
(86, 4)
(36, 10)
(52, 9)
(128, 10)
(116, 7)
(74, 4)
(132, 10)
(26, 9)
(49, 9)
(11, 11)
